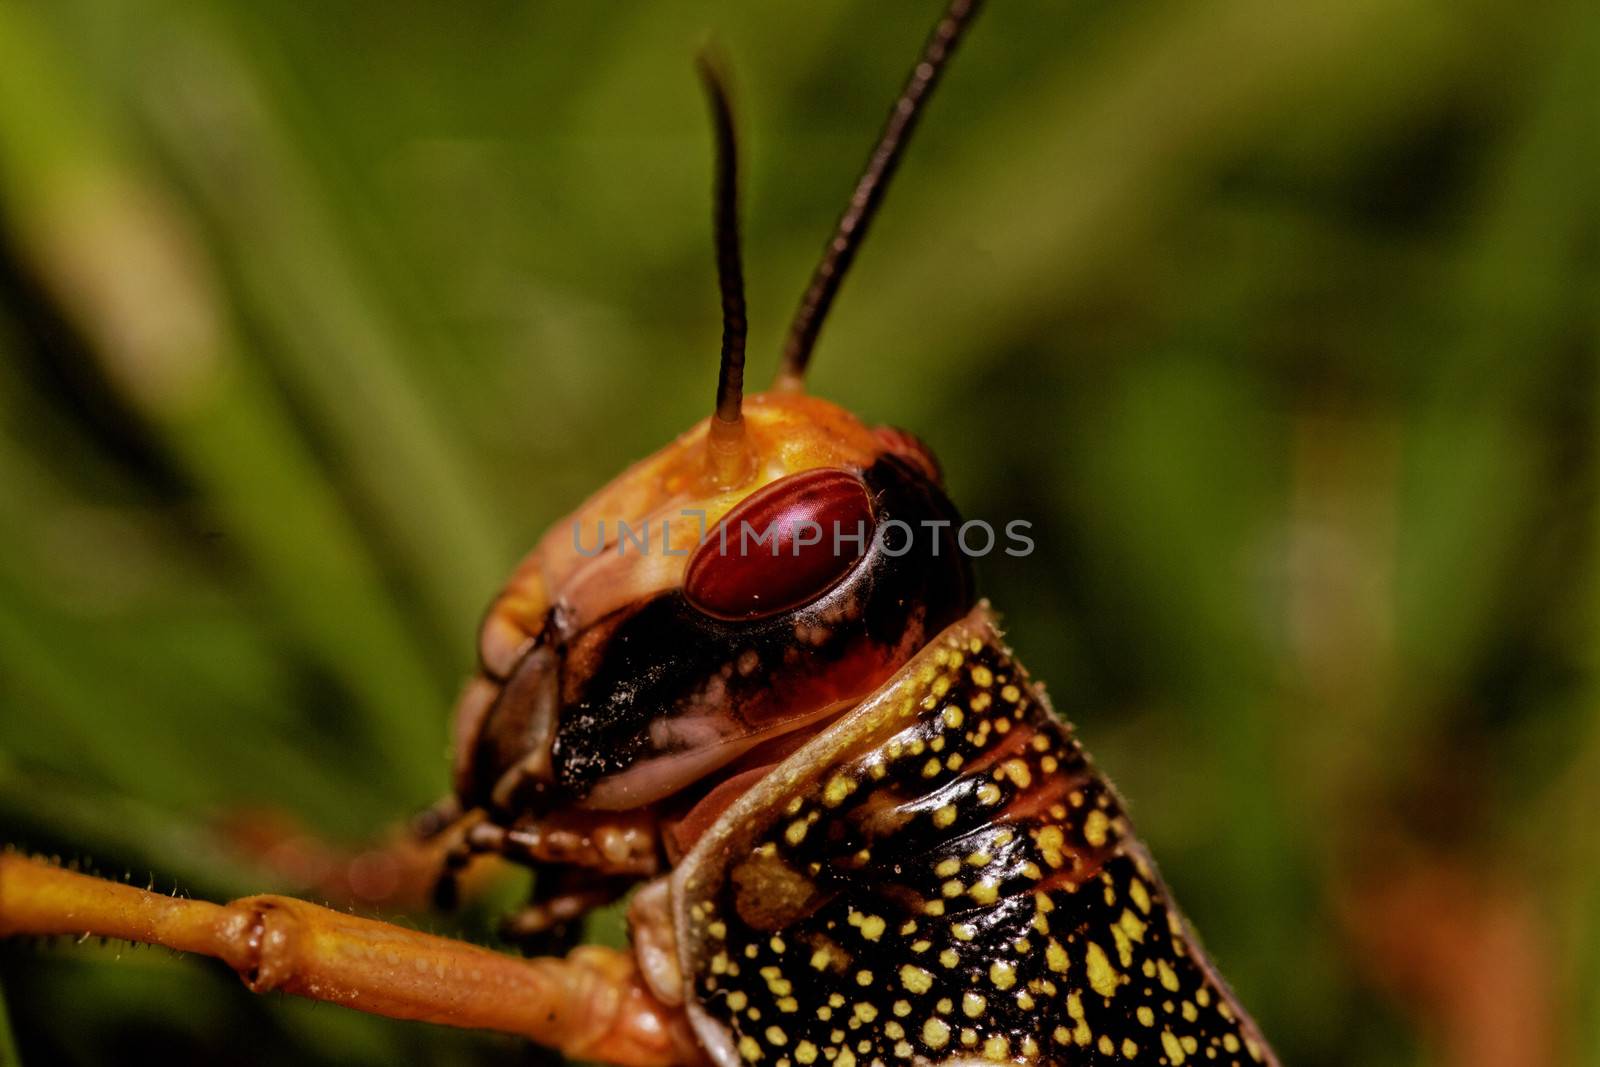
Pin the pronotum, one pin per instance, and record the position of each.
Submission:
(863, 835)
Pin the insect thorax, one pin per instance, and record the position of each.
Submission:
(944, 876)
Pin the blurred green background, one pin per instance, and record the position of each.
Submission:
(1277, 320)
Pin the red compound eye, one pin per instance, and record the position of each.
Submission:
(783, 545)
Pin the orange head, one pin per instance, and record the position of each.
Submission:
(757, 576)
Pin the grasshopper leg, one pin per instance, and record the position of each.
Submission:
(591, 1004)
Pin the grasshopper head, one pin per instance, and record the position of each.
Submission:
(675, 624)
(757, 576)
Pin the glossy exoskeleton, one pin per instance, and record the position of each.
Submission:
(753, 674)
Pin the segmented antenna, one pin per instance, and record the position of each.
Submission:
(728, 459)
(874, 181)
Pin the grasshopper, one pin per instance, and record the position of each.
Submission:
(857, 831)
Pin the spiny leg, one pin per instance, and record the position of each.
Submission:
(591, 1005)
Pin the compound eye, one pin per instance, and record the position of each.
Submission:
(782, 546)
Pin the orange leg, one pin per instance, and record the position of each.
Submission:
(590, 1005)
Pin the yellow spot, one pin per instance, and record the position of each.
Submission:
(973, 1004)
(865, 1012)
(846, 1059)
(979, 859)
(1055, 957)
(837, 789)
(982, 676)
(933, 907)
(1190, 1012)
(796, 832)
(1106, 1047)
(778, 945)
(821, 958)
(1131, 925)
(945, 815)
(872, 927)
(902, 1008)
(1094, 828)
(916, 979)
(1124, 945)
(948, 958)
(1011, 694)
(1173, 1049)
(1169, 977)
(805, 1052)
(788, 1004)
(988, 793)
(863, 978)
(953, 717)
(1102, 976)
(1204, 997)
(1230, 1043)
(902, 1049)
(1017, 771)
(952, 888)
(985, 891)
(749, 1049)
(922, 945)
(935, 1033)
(894, 1030)
(964, 931)
(1140, 895)
(1147, 1016)
(1062, 1035)
(776, 1036)
(997, 1049)
(718, 930)
(932, 767)
(737, 1001)
(1003, 974)
(1051, 840)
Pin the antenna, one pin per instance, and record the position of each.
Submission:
(870, 187)
(728, 451)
